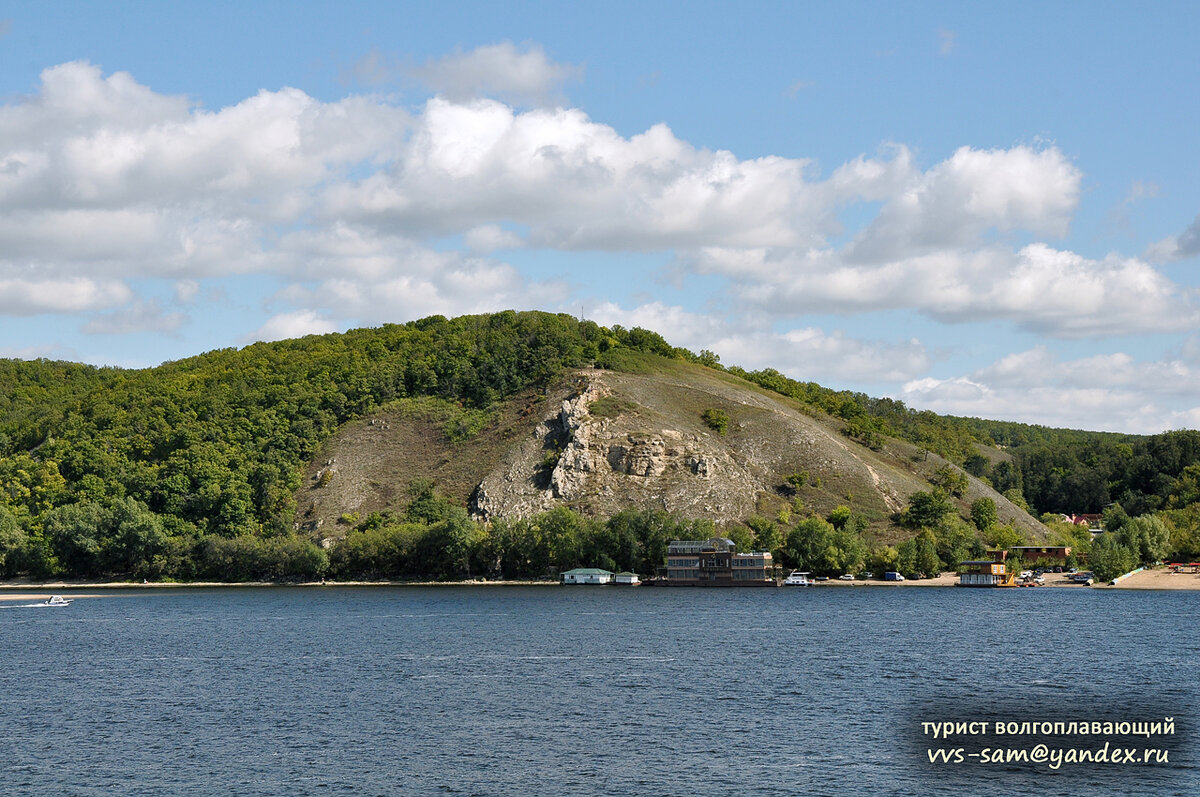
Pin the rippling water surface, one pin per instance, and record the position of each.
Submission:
(576, 690)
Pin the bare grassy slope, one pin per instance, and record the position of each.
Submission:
(368, 465)
(607, 440)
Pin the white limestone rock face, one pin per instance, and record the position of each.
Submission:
(611, 463)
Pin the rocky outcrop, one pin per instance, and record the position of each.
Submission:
(608, 464)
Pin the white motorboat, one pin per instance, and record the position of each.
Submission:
(57, 600)
(798, 578)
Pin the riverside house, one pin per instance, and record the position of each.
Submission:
(986, 572)
(587, 575)
(716, 563)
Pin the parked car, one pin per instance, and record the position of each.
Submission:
(868, 574)
(846, 577)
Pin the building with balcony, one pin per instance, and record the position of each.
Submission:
(716, 563)
(986, 572)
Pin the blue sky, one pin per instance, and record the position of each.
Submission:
(980, 209)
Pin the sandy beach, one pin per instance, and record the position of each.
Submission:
(1159, 578)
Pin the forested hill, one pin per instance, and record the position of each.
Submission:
(213, 443)
(189, 469)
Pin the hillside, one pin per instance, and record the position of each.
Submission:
(605, 440)
(516, 444)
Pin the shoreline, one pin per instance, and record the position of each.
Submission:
(1156, 579)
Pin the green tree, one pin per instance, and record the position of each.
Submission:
(12, 539)
(797, 480)
(1147, 537)
(840, 516)
(445, 548)
(1004, 537)
(955, 542)
(927, 563)
(1014, 495)
(845, 553)
(291, 559)
(906, 559)
(134, 539)
(715, 419)
(926, 510)
(742, 537)
(805, 545)
(1185, 532)
(562, 532)
(815, 545)
(1186, 488)
(951, 479)
(1110, 558)
(30, 485)
(882, 559)
(766, 533)
(983, 513)
(977, 465)
(1114, 518)
(75, 533)
(647, 533)
(426, 505)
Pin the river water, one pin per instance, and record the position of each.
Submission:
(586, 690)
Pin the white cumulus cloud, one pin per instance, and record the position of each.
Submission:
(1110, 391)
(578, 184)
(357, 273)
(33, 296)
(138, 316)
(956, 201)
(524, 76)
(1039, 288)
(292, 325)
(806, 354)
